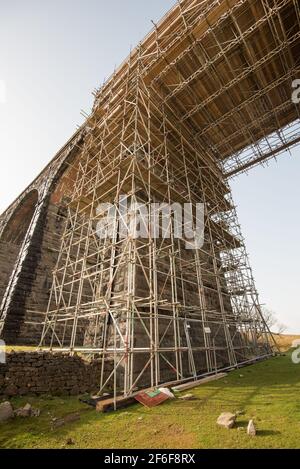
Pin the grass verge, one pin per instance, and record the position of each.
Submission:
(267, 392)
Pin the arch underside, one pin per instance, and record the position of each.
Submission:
(13, 236)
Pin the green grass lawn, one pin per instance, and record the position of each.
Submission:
(268, 392)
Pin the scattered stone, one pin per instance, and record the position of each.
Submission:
(240, 429)
(187, 397)
(227, 420)
(60, 422)
(35, 412)
(251, 430)
(57, 423)
(239, 412)
(24, 411)
(70, 442)
(140, 418)
(241, 376)
(6, 411)
(71, 418)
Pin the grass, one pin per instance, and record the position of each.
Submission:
(268, 392)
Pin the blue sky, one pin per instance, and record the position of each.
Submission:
(54, 53)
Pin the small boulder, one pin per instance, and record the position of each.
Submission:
(57, 423)
(35, 412)
(251, 430)
(70, 442)
(6, 411)
(227, 420)
(60, 422)
(24, 411)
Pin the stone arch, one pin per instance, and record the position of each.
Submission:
(18, 223)
(24, 300)
(13, 235)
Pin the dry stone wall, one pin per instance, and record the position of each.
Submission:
(48, 373)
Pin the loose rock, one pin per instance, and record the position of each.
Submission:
(251, 430)
(60, 422)
(57, 423)
(6, 411)
(72, 418)
(70, 441)
(227, 420)
(35, 412)
(24, 411)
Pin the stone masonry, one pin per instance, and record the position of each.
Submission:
(47, 373)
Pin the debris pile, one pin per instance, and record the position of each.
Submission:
(27, 411)
(7, 412)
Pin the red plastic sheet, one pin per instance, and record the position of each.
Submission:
(152, 398)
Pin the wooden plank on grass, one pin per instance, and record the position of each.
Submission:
(107, 405)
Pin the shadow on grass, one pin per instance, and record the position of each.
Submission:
(267, 432)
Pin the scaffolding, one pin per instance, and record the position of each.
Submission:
(150, 309)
